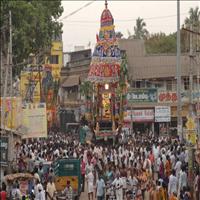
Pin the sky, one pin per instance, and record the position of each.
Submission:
(81, 28)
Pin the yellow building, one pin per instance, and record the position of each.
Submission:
(56, 59)
(30, 79)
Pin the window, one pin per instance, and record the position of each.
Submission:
(54, 59)
(140, 84)
(169, 85)
(133, 84)
(186, 83)
(148, 84)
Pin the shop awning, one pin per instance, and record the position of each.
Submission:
(71, 81)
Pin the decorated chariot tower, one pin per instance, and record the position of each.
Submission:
(104, 74)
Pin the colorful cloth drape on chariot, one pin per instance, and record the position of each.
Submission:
(106, 58)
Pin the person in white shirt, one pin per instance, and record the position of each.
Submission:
(182, 180)
(156, 151)
(173, 160)
(173, 183)
(41, 193)
(178, 167)
(118, 183)
(90, 181)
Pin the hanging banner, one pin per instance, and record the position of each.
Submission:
(139, 115)
(142, 95)
(13, 113)
(4, 150)
(34, 121)
(162, 113)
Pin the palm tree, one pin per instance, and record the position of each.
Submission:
(194, 18)
(194, 21)
(119, 34)
(140, 32)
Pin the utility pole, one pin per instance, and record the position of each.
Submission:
(198, 102)
(191, 109)
(7, 84)
(191, 54)
(178, 76)
(11, 142)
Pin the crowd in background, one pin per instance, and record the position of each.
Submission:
(142, 167)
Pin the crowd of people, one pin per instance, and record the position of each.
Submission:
(142, 167)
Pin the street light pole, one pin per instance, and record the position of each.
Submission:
(178, 75)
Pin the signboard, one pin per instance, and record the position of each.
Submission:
(142, 95)
(34, 120)
(162, 113)
(13, 113)
(171, 96)
(140, 115)
(4, 150)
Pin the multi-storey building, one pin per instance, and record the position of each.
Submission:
(152, 81)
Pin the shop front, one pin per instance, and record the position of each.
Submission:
(162, 119)
(142, 120)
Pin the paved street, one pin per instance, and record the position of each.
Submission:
(84, 195)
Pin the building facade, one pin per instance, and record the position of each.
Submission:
(73, 73)
(152, 88)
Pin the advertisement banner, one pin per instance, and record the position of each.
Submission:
(34, 120)
(12, 113)
(4, 150)
(162, 113)
(142, 95)
(171, 96)
(139, 115)
(29, 85)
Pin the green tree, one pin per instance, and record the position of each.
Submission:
(86, 89)
(194, 20)
(194, 17)
(161, 43)
(34, 23)
(140, 31)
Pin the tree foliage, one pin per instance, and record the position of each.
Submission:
(140, 31)
(162, 43)
(86, 89)
(34, 23)
(194, 17)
